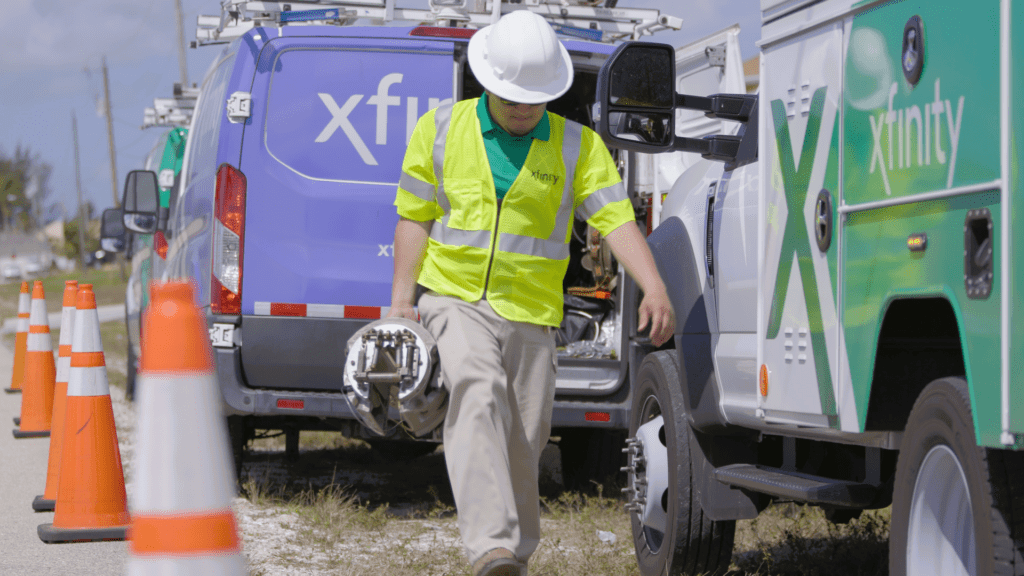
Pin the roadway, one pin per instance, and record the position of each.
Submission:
(22, 478)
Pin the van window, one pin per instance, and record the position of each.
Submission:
(346, 114)
(202, 161)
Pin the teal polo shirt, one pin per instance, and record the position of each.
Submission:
(505, 152)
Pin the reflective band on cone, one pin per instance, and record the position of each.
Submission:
(40, 372)
(20, 341)
(182, 521)
(91, 503)
(46, 501)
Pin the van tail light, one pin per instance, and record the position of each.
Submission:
(228, 241)
(160, 243)
(442, 32)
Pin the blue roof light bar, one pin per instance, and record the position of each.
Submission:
(584, 33)
(308, 15)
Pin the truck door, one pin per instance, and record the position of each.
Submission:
(799, 339)
(322, 158)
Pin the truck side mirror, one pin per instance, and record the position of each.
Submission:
(112, 233)
(636, 88)
(141, 200)
(638, 99)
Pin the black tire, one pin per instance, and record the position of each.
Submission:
(941, 427)
(591, 457)
(130, 373)
(692, 543)
(239, 434)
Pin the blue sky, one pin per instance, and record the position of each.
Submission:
(51, 65)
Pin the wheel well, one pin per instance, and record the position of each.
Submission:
(919, 342)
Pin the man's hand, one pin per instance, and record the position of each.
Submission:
(406, 311)
(631, 250)
(656, 309)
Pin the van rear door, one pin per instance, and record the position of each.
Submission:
(322, 156)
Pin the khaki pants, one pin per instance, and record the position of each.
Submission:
(501, 380)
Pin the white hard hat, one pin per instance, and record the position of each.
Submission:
(519, 58)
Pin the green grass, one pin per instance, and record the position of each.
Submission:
(106, 284)
(796, 540)
(404, 524)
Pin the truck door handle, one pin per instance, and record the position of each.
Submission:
(823, 220)
(709, 238)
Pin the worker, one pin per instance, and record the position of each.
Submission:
(486, 201)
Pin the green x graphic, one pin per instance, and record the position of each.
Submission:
(796, 241)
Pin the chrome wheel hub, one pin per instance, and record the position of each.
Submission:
(648, 475)
(940, 533)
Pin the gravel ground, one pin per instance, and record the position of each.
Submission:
(275, 539)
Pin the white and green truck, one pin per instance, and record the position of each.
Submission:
(846, 284)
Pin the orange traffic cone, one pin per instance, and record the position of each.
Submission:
(20, 339)
(91, 503)
(45, 501)
(182, 522)
(40, 372)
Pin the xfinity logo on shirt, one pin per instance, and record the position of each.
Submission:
(382, 101)
(545, 178)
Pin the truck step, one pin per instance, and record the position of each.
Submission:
(796, 485)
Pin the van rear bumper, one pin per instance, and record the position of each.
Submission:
(575, 415)
(242, 400)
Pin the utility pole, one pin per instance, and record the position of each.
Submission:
(78, 184)
(182, 66)
(110, 134)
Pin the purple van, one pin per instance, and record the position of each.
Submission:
(285, 223)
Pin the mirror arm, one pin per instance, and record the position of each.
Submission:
(735, 107)
(162, 216)
(693, 102)
(697, 145)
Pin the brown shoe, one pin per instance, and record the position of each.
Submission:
(497, 562)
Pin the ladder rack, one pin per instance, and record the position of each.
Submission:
(171, 112)
(572, 18)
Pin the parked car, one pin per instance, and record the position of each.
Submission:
(11, 271)
(36, 265)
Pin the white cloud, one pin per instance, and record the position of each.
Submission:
(61, 35)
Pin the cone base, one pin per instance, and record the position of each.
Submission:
(31, 433)
(12, 390)
(17, 420)
(41, 504)
(51, 535)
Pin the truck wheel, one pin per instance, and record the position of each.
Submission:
(590, 455)
(957, 508)
(678, 538)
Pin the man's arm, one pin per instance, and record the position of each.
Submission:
(410, 247)
(631, 250)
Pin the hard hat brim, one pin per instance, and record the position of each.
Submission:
(558, 84)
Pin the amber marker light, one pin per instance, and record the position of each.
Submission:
(763, 380)
(917, 242)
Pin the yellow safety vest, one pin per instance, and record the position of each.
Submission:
(518, 254)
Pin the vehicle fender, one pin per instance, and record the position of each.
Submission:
(673, 252)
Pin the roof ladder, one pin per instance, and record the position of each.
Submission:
(584, 19)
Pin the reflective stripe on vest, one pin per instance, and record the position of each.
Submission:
(555, 247)
(418, 188)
